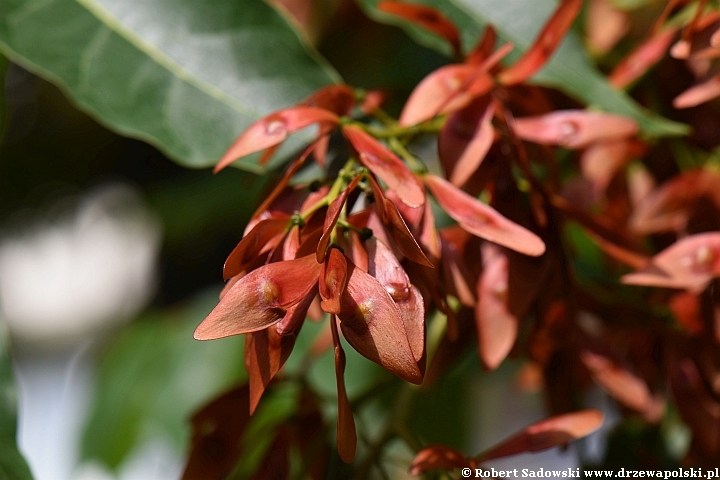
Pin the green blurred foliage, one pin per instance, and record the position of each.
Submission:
(152, 377)
(12, 463)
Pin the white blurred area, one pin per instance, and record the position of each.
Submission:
(66, 278)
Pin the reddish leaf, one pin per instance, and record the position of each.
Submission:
(359, 219)
(234, 280)
(433, 92)
(291, 245)
(478, 83)
(605, 25)
(309, 239)
(497, 328)
(388, 213)
(386, 165)
(338, 99)
(622, 254)
(260, 298)
(702, 92)
(411, 215)
(296, 315)
(412, 312)
(383, 265)
(379, 198)
(687, 310)
(529, 378)
(285, 180)
(333, 278)
(377, 227)
(426, 17)
(640, 184)
(545, 44)
(458, 277)
(268, 154)
(314, 198)
(439, 457)
(373, 325)
(552, 432)
(263, 237)
(355, 250)
(529, 280)
(624, 386)
(429, 237)
(450, 88)
(400, 233)
(265, 353)
(217, 433)
(482, 220)
(652, 276)
(668, 207)
(331, 219)
(346, 435)
(484, 47)
(476, 149)
(699, 40)
(574, 128)
(267, 350)
(320, 149)
(274, 129)
(458, 132)
(640, 60)
(697, 21)
(372, 101)
(660, 21)
(322, 342)
(602, 160)
(689, 263)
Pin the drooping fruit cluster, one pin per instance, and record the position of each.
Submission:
(379, 242)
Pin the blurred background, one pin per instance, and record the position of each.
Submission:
(107, 253)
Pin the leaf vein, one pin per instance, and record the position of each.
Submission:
(162, 59)
(89, 53)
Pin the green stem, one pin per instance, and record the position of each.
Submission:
(389, 131)
(397, 146)
(383, 116)
(435, 334)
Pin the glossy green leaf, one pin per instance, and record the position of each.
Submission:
(187, 76)
(152, 377)
(519, 21)
(12, 463)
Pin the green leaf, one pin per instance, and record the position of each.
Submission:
(152, 378)
(187, 76)
(470, 29)
(12, 463)
(569, 70)
(630, 4)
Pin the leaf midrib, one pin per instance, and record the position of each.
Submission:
(162, 59)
